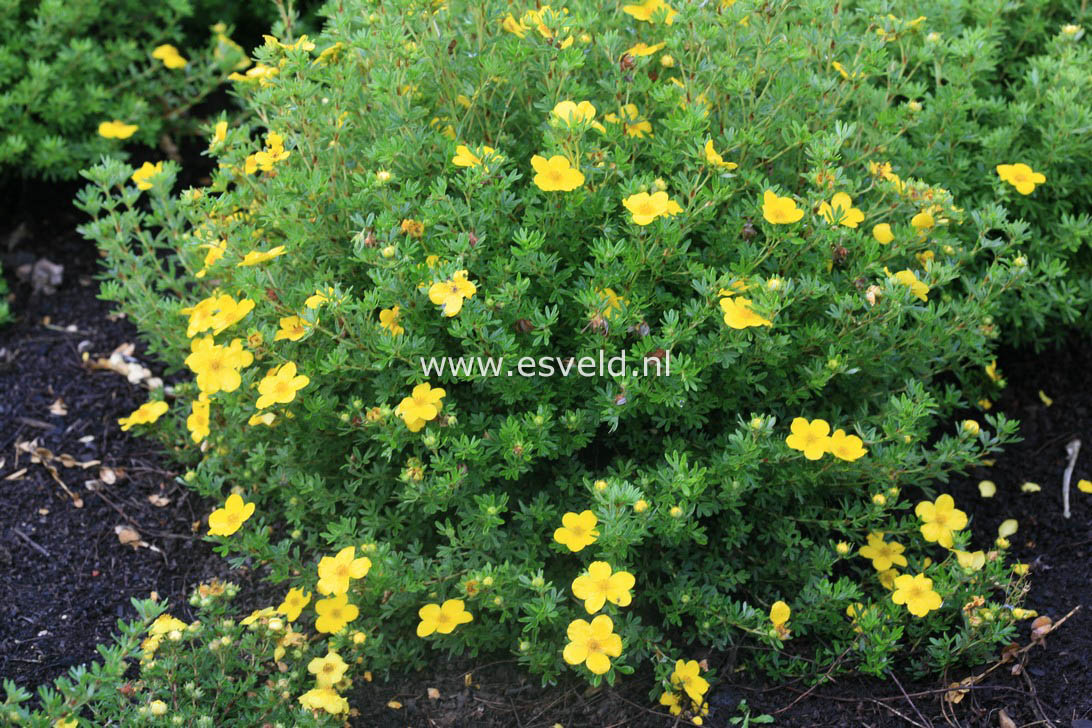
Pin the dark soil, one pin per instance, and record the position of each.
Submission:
(65, 578)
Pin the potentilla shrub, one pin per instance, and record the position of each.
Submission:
(679, 185)
(83, 80)
(220, 669)
(994, 99)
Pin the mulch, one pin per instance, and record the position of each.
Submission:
(65, 578)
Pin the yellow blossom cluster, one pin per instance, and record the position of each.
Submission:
(815, 440)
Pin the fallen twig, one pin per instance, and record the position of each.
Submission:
(1071, 450)
(31, 542)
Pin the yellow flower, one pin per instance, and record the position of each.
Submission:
(466, 158)
(642, 505)
(687, 677)
(779, 617)
(318, 298)
(573, 114)
(940, 519)
(1084, 485)
(388, 319)
(324, 699)
(577, 530)
(327, 670)
(906, 277)
(217, 367)
(261, 73)
(971, 560)
(423, 405)
(516, 27)
(599, 586)
(227, 520)
(643, 49)
(170, 56)
(884, 554)
(262, 418)
(450, 294)
(713, 158)
(841, 211)
(555, 174)
(145, 173)
(292, 328)
(229, 312)
(198, 421)
(811, 438)
(117, 129)
(215, 252)
(645, 207)
(592, 644)
(738, 314)
(255, 257)
(280, 384)
(146, 414)
(631, 121)
(1021, 177)
(257, 614)
(442, 618)
(842, 548)
(301, 44)
(334, 613)
(219, 134)
(646, 10)
(923, 221)
(779, 210)
(294, 602)
(916, 592)
(887, 578)
(991, 371)
(329, 55)
(882, 233)
(334, 572)
(614, 302)
(65, 723)
(846, 447)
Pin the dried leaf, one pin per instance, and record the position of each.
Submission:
(159, 500)
(128, 536)
(58, 408)
(957, 690)
(1004, 721)
(87, 439)
(433, 694)
(1040, 628)
(468, 678)
(17, 474)
(107, 475)
(394, 705)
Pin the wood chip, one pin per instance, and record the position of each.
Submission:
(159, 500)
(58, 408)
(433, 694)
(1004, 721)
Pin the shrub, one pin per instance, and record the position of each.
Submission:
(217, 670)
(68, 68)
(989, 83)
(419, 188)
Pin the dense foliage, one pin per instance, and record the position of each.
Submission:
(725, 188)
(69, 68)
